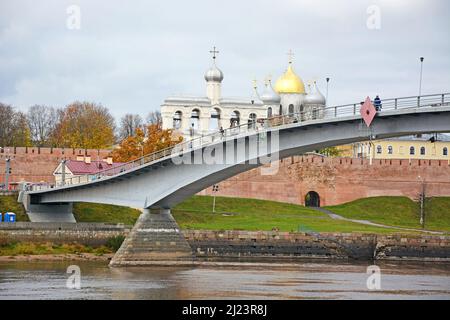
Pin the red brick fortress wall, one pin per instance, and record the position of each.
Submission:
(339, 180)
(336, 180)
(34, 164)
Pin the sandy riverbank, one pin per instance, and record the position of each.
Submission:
(58, 257)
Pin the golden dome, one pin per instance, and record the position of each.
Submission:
(289, 82)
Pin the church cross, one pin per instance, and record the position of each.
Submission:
(290, 55)
(255, 83)
(214, 51)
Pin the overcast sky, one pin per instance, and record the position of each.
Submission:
(130, 55)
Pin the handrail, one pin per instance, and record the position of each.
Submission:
(429, 100)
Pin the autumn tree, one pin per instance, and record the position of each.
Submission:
(154, 117)
(7, 124)
(331, 152)
(153, 139)
(41, 121)
(14, 129)
(84, 125)
(129, 123)
(21, 136)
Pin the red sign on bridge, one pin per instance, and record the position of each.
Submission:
(368, 111)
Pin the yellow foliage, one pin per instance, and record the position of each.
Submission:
(154, 139)
(85, 125)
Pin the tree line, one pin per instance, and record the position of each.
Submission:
(78, 125)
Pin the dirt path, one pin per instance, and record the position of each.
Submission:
(335, 216)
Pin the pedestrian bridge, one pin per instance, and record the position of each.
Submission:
(165, 178)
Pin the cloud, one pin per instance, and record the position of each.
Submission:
(130, 56)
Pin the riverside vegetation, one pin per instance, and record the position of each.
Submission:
(247, 214)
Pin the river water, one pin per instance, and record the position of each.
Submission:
(300, 280)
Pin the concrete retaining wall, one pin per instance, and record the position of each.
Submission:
(250, 244)
(94, 234)
(230, 244)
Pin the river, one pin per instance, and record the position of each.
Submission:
(300, 280)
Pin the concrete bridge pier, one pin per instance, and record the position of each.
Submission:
(47, 212)
(155, 239)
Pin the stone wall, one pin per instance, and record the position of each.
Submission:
(336, 180)
(339, 180)
(33, 164)
(262, 244)
(247, 244)
(93, 234)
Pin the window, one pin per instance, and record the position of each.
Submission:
(195, 117)
(390, 150)
(252, 121)
(214, 121)
(177, 120)
(379, 149)
(422, 151)
(291, 109)
(269, 112)
(280, 111)
(235, 119)
(445, 151)
(412, 151)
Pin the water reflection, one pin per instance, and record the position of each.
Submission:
(306, 280)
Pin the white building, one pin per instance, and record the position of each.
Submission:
(76, 171)
(193, 116)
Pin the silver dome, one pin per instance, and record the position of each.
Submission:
(214, 74)
(315, 96)
(269, 96)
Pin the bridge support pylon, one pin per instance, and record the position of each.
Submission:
(155, 239)
(47, 212)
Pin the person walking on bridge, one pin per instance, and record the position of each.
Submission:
(377, 103)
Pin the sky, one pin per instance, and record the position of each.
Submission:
(129, 56)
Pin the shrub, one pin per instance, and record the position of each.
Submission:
(114, 243)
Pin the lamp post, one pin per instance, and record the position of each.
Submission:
(63, 171)
(215, 188)
(328, 80)
(422, 201)
(7, 172)
(420, 80)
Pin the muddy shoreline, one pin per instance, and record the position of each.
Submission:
(57, 257)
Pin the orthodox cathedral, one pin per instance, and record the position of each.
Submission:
(193, 116)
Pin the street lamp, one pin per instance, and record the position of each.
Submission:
(215, 189)
(63, 171)
(422, 201)
(328, 80)
(7, 172)
(420, 81)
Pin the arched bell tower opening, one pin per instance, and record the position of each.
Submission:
(312, 199)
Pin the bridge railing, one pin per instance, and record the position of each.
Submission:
(261, 125)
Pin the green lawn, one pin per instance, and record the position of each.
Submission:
(437, 213)
(94, 212)
(252, 214)
(398, 211)
(9, 203)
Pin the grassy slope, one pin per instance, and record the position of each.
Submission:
(9, 203)
(94, 212)
(252, 214)
(25, 248)
(398, 211)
